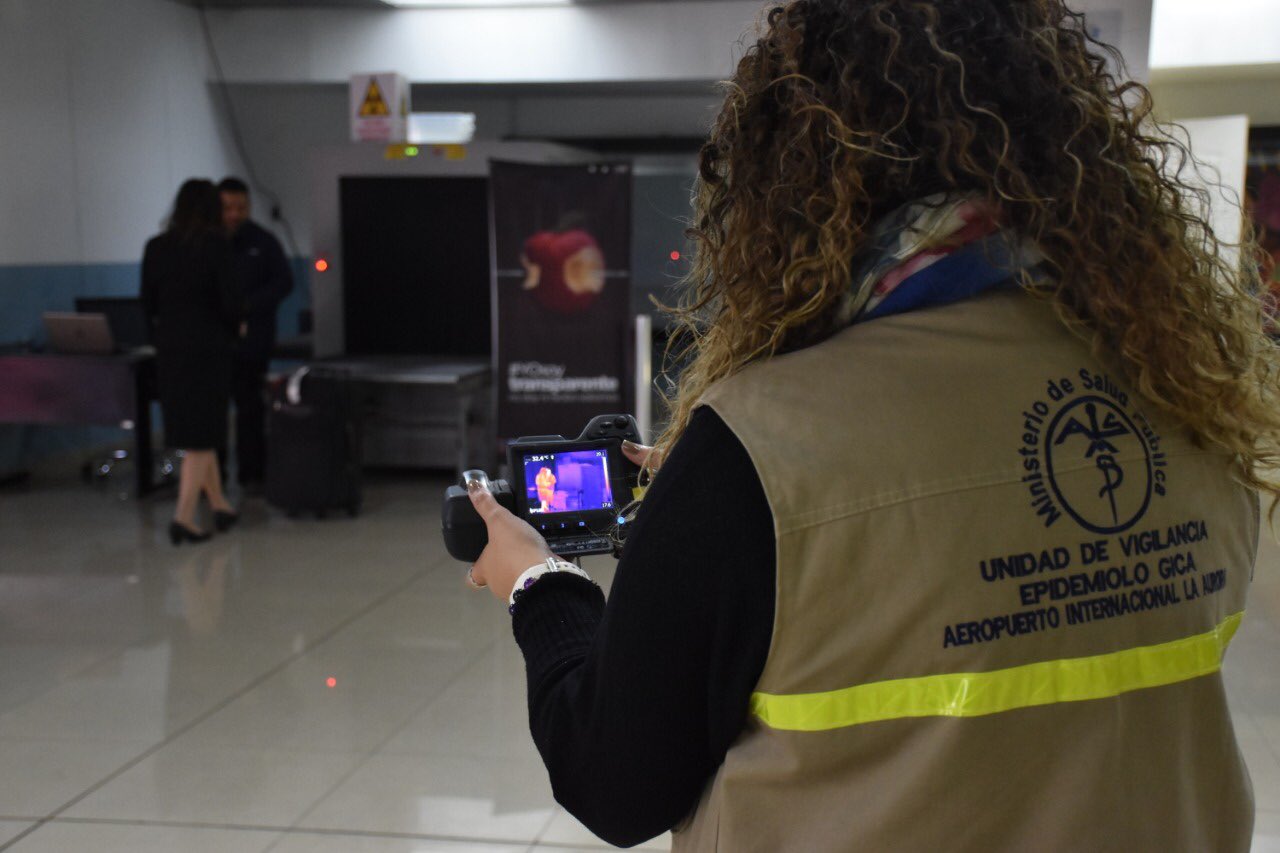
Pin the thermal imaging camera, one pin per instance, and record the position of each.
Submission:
(571, 490)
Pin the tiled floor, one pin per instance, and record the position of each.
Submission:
(155, 699)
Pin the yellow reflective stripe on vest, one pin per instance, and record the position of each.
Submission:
(974, 694)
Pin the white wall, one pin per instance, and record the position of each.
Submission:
(1125, 24)
(1199, 33)
(1221, 147)
(105, 110)
(1216, 59)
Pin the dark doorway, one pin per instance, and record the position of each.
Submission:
(416, 266)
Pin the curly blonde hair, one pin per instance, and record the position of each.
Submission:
(844, 110)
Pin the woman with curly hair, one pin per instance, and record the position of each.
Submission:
(959, 501)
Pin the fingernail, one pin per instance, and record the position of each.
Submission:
(475, 486)
(630, 445)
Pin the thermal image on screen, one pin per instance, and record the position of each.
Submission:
(573, 481)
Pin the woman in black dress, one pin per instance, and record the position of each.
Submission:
(192, 299)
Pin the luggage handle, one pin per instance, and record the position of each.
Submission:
(293, 390)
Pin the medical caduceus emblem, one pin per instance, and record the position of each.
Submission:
(1098, 465)
(1100, 449)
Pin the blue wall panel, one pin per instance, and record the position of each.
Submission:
(26, 292)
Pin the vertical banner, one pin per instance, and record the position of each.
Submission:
(562, 255)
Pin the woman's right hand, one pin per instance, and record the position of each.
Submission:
(642, 455)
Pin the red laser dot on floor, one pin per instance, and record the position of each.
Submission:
(675, 256)
(322, 265)
(331, 682)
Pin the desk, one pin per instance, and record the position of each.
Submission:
(109, 390)
(467, 379)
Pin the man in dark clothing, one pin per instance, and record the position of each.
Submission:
(265, 280)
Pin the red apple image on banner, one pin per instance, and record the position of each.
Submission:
(564, 270)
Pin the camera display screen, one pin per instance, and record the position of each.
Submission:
(570, 481)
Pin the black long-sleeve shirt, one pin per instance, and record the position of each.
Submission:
(634, 704)
(265, 282)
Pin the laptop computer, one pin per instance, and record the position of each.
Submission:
(79, 334)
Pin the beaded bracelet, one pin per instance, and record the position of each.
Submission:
(531, 575)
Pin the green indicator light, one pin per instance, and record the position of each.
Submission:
(411, 151)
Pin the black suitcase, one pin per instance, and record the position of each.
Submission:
(313, 444)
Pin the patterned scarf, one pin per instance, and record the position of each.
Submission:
(934, 251)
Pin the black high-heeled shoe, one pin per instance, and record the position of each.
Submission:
(179, 533)
(224, 521)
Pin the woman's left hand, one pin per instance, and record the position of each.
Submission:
(513, 545)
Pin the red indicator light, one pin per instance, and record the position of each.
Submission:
(322, 265)
(675, 256)
(331, 682)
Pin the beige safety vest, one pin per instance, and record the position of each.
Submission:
(1005, 586)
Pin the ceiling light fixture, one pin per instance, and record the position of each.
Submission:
(441, 128)
(473, 4)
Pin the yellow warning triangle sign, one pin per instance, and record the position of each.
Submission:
(374, 104)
